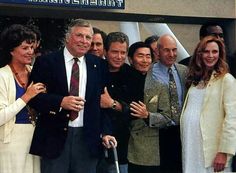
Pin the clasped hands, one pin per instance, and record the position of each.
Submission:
(73, 103)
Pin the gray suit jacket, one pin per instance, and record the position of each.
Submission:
(144, 138)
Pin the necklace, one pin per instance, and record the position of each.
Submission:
(31, 112)
(18, 77)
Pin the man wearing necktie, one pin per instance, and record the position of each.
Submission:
(171, 74)
(71, 126)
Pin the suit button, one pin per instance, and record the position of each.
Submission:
(67, 115)
(65, 129)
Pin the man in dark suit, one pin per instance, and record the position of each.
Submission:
(68, 144)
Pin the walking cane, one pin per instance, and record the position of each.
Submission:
(115, 156)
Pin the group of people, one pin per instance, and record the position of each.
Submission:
(75, 104)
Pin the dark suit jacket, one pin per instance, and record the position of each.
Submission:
(51, 129)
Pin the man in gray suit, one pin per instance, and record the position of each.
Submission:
(161, 118)
(143, 150)
(163, 71)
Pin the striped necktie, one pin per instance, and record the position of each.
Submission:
(74, 85)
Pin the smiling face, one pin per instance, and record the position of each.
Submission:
(210, 55)
(78, 40)
(142, 59)
(167, 50)
(116, 55)
(23, 53)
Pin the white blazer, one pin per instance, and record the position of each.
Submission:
(9, 106)
(218, 118)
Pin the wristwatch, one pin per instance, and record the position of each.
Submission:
(113, 106)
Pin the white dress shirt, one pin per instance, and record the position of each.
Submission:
(78, 122)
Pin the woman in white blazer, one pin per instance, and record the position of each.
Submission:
(16, 130)
(208, 119)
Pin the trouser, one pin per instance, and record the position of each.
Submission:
(133, 168)
(75, 157)
(170, 149)
(107, 167)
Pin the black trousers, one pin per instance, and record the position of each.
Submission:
(170, 149)
(133, 168)
(234, 164)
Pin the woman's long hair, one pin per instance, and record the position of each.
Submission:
(197, 68)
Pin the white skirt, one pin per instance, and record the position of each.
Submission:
(14, 156)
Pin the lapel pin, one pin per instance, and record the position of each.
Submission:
(94, 65)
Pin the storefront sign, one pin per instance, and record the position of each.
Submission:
(108, 4)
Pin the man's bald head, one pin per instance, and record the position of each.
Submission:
(167, 49)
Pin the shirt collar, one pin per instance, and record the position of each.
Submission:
(164, 68)
(68, 57)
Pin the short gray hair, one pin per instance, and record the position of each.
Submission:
(80, 23)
